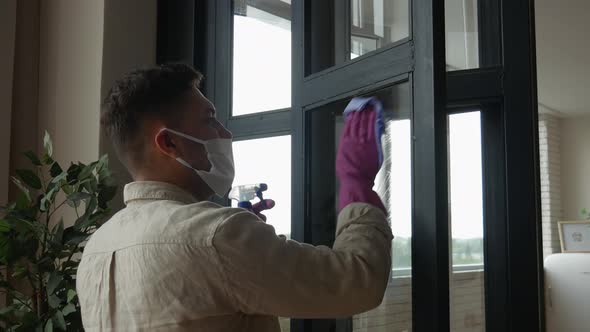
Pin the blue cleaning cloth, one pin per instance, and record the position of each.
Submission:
(360, 103)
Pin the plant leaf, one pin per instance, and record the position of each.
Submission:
(59, 177)
(4, 226)
(48, 198)
(87, 171)
(29, 178)
(85, 220)
(54, 280)
(22, 201)
(105, 195)
(79, 196)
(22, 187)
(67, 188)
(47, 144)
(54, 301)
(19, 272)
(75, 198)
(6, 310)
(47, 160)
(71, 294)
(74, 237)
(68, 309)
(49, 326)
(103, 162)
(60, 322)
(55, 169)
(33, 157)
(59, 232)
(73, 172)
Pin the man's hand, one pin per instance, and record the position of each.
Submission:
(357, 161)
(266, 204)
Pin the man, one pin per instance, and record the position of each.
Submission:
(172, 261)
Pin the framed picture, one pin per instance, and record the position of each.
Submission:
(574, 236)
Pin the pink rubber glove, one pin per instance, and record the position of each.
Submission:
(357, 162)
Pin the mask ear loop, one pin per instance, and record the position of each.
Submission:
(178, 159)
(189, 137)
(156, 142)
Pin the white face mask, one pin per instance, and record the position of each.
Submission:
(221, 157)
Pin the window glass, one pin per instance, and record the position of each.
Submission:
(261, 56)
(268, 160)
(467, 225)
(377, 23)
(394, 185)
(462, 34)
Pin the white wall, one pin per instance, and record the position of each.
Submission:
(70, 77)
(575, 166)
(85, 46)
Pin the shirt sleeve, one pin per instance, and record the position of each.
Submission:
(268, 274)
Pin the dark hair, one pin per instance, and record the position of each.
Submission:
(143, 93)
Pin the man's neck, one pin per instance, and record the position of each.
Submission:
(191, 186)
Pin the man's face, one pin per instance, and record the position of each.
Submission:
(199, 120)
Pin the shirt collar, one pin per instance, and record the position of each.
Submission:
(152, 190)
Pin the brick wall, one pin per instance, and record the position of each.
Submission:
(550, 169)
(395, 313)
(468, 302)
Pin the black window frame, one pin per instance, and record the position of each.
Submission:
(504, 89)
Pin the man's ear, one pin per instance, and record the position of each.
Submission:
(166, 143)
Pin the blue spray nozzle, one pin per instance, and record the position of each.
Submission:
(261, 188)
(245, 193)
(245, 205)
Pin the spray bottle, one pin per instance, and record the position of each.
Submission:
(245, 193)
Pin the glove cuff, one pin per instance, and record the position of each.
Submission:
(355, 191)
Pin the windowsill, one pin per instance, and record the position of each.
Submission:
(406, 273)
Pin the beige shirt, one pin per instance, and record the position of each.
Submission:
(169, 263)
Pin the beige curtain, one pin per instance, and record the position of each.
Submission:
(7, 45)
(19, 86)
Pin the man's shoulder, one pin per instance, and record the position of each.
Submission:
(199, 221)
(204, 211)
(163, 222)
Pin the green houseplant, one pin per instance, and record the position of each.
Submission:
(585, 213)
(39, 253)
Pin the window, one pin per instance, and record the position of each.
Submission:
(261, 94)
(496, 34)
(466, 218)
(394, 185)
(376, 24)
(268, 160)
(465, 168)
(261, 56)
(462, 34)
